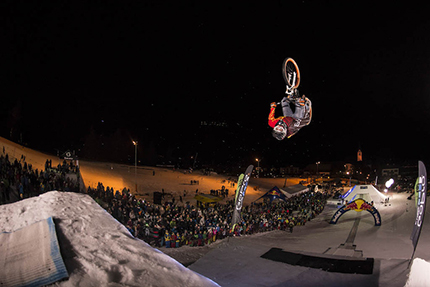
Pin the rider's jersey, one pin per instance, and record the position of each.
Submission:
(293, 125)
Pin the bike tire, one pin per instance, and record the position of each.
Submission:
(289, 67)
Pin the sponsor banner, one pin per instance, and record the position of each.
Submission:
(421, 189)
(358, 205)
(239, 184)
(240, 195)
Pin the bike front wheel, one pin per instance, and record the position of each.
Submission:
(291, 73)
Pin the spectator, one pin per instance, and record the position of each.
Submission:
(21, 190)
(167, 239)
(178, 240)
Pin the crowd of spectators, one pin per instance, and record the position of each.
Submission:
(223, 192)
(172, 225)
(18, 179)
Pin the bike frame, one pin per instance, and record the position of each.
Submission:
(290, 90)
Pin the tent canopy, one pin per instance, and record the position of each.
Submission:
(292, 190)
(207, 198)
(273, 194)
(285, 193)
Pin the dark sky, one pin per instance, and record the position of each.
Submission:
(156, 71)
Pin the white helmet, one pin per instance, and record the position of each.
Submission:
(279, 132)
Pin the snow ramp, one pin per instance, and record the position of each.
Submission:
(31, 256)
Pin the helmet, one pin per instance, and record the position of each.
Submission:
(280, 130)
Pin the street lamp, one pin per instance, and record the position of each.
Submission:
(317, 163)
(350, 175)
(135, 163)
(258, 167)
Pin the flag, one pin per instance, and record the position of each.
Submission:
(239, 184)
(240, 195)
(421, 203)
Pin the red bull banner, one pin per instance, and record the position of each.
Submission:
(358, 205)
(273, 194)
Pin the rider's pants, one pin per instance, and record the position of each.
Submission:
(300, 112)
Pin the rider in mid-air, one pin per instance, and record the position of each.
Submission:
(289, 124)
(297, 113)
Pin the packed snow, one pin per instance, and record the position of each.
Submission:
(97, 250)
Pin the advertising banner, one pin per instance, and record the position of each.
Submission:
(421, 189)
(240, 195)
(358, 205)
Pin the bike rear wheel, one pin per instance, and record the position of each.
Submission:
(291, 73)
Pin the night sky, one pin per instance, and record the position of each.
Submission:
(198, 78)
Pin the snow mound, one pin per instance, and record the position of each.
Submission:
(97, 249)
(419, 275)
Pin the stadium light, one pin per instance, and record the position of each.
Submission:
(389, 183)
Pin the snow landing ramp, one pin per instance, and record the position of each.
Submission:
(330, 264)
(31, 256)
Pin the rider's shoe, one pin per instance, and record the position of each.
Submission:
(301, 101)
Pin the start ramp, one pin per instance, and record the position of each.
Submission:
(366, 192)
(31, 256)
